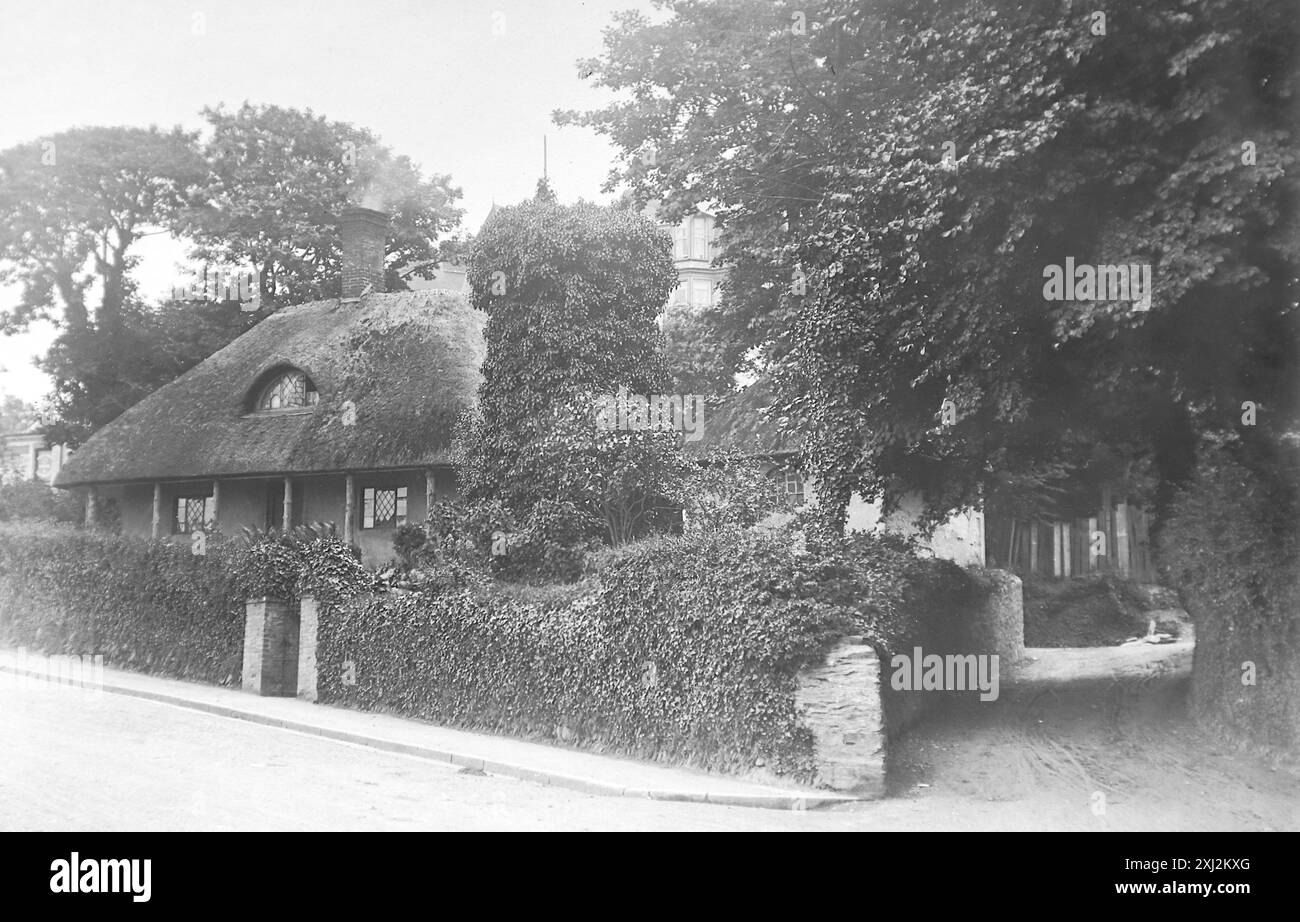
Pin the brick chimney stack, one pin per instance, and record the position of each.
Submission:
(364, 233)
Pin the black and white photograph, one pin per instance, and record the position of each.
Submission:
(862, 416)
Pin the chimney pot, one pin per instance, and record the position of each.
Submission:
(364, 232)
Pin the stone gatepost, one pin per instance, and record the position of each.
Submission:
(998, 622)
(841, 703)
(307, 624)
(270, 647)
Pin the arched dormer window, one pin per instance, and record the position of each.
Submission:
(288, 389)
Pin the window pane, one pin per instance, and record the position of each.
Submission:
(368, 505)
(385, 504)
(290, 389)
(194, 513)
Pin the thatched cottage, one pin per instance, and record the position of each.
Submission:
(335, 411)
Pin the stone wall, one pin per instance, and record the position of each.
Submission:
(994, 623)
(841, 704)
(854, 712)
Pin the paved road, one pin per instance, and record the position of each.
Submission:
(71, 759)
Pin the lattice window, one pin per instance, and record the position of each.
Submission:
(790, 482)
(288, 391)
(192, 514)
(382, 508)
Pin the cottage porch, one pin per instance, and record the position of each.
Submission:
(365, 506)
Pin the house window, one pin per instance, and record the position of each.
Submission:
(701, 289)
(383, 507)
(681, 241)
(699, 238)
(791, 483)
(192, 514)
(288, 391)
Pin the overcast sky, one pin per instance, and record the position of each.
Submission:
(430, 77)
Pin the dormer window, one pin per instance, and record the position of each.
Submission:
(289, 390)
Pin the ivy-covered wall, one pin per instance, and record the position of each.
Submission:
(685, 649)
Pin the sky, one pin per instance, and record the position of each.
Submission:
(464, 87)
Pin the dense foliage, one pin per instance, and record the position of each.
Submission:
(1231, 548)
(572, 295)
(892, 179)
(143, 605)
(35, 499)
(156, 606)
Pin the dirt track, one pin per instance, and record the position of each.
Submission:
(1098, 753)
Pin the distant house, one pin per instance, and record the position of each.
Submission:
(337, 411)
(31, 456)
(695, 247)
(743, 422)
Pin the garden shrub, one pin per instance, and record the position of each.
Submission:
(35, 499)
(306, 560)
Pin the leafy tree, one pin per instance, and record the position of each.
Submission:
(911, 168)
(895, 179)
(701, 353)
(72, 206)
(279, 178)
(572, 295)
(16, 414)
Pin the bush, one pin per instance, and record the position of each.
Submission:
(683, 648)
(461, 543)
(144, 605)
(34, 499)
(730, 490)
(307, 560)
(1230, 545)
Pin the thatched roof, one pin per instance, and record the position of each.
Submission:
(407, 362)
(745, 422)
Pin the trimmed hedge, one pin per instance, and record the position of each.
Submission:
(144, 605)
(683, 649)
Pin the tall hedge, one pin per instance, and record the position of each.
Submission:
(685, 649)
(1232, 549)
(144, 605)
